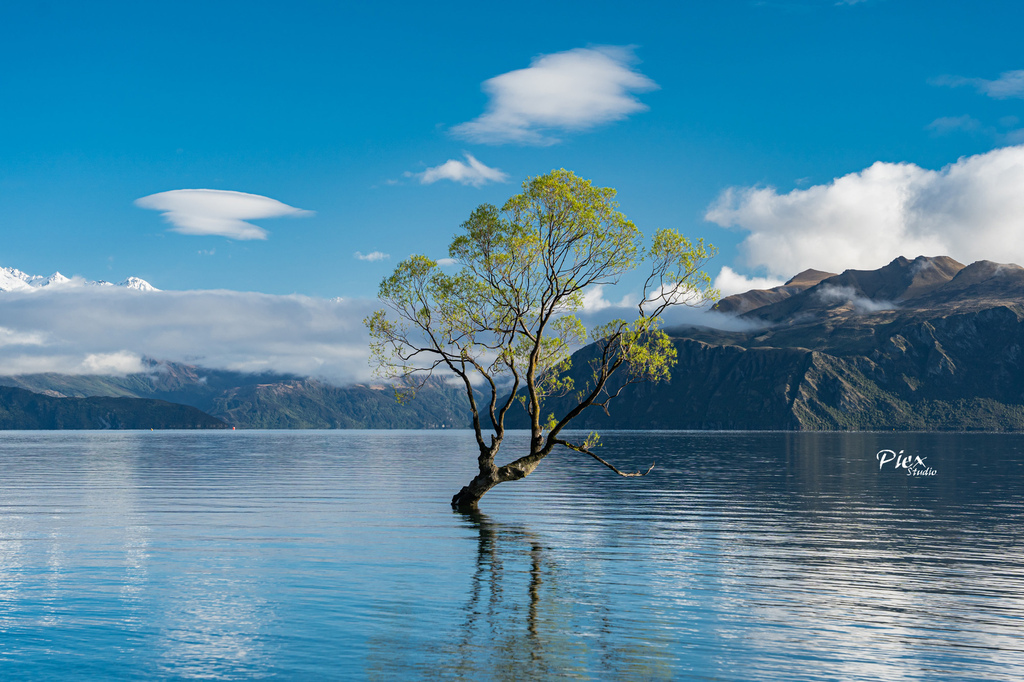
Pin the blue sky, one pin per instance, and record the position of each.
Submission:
(327, 106)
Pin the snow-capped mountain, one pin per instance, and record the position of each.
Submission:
(12, 279)
(137, 284)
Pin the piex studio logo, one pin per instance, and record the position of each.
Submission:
(913, 464)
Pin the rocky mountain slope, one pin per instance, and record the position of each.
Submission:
(925, 344)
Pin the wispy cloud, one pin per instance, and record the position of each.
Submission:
(972, 209)
(216, 212)
(1009, 84)
(470, 172)
(107, 330)
(373, 256)
(566, 91)
(950, 124)
(807, 6)
(832, 295)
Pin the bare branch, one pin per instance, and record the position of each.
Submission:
(585, 451)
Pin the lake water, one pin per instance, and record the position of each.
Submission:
(335, 555)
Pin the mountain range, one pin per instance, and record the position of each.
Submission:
(922, 344)
(265, 401)
(16, 280)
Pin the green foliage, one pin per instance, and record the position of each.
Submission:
(507, 317)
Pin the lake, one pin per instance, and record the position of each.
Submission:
(335, 555)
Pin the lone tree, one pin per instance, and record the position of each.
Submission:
(506, 321)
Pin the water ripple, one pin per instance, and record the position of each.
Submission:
(334, 555)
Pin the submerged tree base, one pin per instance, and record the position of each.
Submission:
(468, 498)
(465, 501)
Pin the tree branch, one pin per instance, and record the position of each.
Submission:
(585, 451)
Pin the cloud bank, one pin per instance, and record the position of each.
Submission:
(470, 172)
(971, 210)
(217, 212)
(566, 91)
(107, 330)
(104, 330)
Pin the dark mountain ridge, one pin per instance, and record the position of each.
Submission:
(22, 409)
(923, 344)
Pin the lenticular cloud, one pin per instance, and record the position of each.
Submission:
(565, 91)
(217, 212)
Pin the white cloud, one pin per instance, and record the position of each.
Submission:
(373, 256)
(565, 91)
(217, 212)
(594, 300)
(472, 172)
(101, 330)
(1009, 84)
(730, 282)
(602, 305)
(11, 337)
(971, 210)
(446, 262)
(598, 310)
(117, 363)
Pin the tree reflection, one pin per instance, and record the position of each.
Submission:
(560, 629)
(493, 625)
(490, 576)
(532, 610)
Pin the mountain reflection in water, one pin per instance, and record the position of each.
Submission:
(334, 555)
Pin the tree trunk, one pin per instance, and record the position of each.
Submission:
(466, 499)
